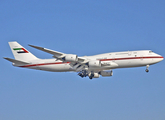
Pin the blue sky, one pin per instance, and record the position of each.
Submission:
(85, 27)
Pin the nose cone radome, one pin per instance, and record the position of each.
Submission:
(160, 58)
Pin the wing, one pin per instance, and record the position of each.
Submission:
(55, 53)
(61, 56)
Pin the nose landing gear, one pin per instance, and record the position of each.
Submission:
(147, 70)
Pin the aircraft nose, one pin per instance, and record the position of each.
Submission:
(161, 58)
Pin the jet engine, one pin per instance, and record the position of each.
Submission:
(71, 58)
(106, 73)
(93, 75)
(96, 75)
(94, 63)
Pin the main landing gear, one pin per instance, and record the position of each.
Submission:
(83, 73)
(147, 70)
(91, 76)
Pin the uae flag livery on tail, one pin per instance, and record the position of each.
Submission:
(20, 50)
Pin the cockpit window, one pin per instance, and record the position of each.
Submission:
(150, 51)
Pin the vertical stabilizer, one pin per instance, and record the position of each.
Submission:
(20, 53)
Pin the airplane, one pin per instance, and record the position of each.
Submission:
(91, 66)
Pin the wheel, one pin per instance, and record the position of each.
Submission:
(147, 70)
(90, 78)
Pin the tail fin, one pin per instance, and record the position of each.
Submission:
(20, 53)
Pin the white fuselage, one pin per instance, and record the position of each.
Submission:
(120, 60)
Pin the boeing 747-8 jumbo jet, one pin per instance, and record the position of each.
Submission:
(91, 66)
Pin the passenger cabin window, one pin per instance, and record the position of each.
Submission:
(150, 51)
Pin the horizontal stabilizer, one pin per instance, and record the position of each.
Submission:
(16, 61)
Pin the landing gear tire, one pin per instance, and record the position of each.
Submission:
(91, 76)
(147, 70)
(147, 66)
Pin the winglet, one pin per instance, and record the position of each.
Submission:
(40, 48)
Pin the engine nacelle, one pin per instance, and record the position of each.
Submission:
(106, 73)
(71, 58)
(94, 63)
(95, 75)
